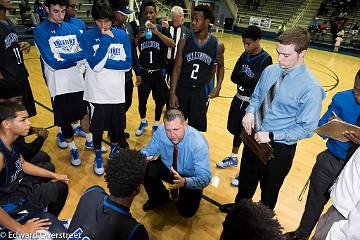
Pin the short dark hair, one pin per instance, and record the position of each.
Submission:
(252, 32)
(208, 14)
(297, 36)
(172, 114)
(150, 4)
(357, 78)
(101, 9)
(10, 89)
(8, 111)
(251, 221)
(56, 2)
(124, 172)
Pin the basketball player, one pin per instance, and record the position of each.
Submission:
(195, 66)
(108, 55)
(246, 74)
(99, 215)
(11, 57)
(178, 31)
(152, 63)
(17, 192)
(64, 79)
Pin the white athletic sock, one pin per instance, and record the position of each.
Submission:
(59, 130)
(143, 120)
(72, 145)
(156, 123)
(75, 125)
(233, 155)
(89, 137)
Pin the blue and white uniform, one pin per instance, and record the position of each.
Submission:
(51, 39)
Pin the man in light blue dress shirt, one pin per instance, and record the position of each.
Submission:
(183, 163)
(293, 115)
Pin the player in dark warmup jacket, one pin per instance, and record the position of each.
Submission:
(101, 216)
(16, 192)
(246, 74)
(152, 63)
(12, 64)
(195, 67)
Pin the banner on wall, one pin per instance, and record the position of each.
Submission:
(260, 22)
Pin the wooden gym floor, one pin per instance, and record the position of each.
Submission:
(336, 72)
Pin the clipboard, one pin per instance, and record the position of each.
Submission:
(263, 151)
(335, 129)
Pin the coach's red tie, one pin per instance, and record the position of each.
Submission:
(174, 192)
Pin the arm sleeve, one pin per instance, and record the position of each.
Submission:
(96, 60)
(307, 117)
(235, 75)
(202, 175)
(28, 150)
(42, 43)
(135, 59)
(154, 146)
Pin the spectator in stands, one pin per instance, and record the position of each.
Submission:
(281, 29)
(355, 30)
(314, 25)
(323, 28)
(39, 11)
(338, 41)
(25, 13)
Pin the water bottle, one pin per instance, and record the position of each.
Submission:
(148, 32)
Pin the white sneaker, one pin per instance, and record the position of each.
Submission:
(75, 160)
(60, 141)
(140, 130)
(235, 181)
(98, 166)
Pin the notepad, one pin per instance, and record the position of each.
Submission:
(335, 129)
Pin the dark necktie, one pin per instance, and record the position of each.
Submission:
(265, 105)
(174, 192)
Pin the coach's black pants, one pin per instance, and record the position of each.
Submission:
(323, 174)
(152, 81)
(271, 176)
(188, 199)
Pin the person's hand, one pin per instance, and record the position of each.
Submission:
(214, 93)
(179, 181)
(61, 177)
(35, 224)
(174, 102)
(43, 132)
(138, 81)
(107, 32)
(353, 136)
(248, 122)
(262, 137)
(165, 24)
(24, 47)
(153, 27)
